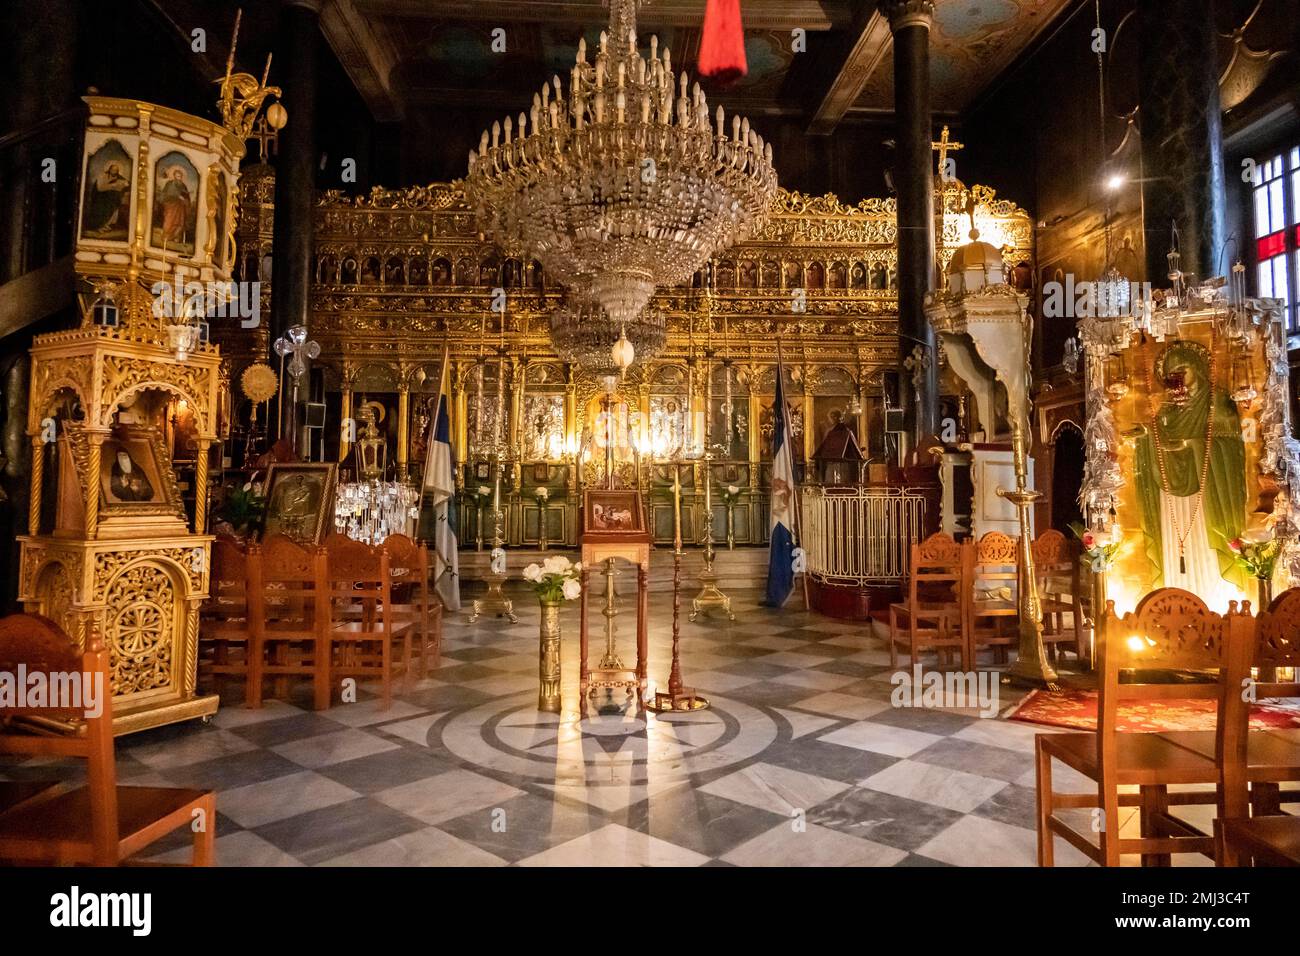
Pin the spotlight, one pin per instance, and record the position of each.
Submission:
(1115, 182)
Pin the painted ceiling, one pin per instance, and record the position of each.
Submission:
(419, 53)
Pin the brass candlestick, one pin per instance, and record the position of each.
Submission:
(678, 697)
(710, 596)
(495, 602)
(541, 522)
(1031, 667)
(612, 673)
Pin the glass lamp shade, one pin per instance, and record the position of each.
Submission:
(183, 338)
(622, 351)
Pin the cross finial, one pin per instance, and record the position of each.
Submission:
(945, 146)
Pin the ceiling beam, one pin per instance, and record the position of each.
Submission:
(870, 44)
(810, 15)
(365, 55)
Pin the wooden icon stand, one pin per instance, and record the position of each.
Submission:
(613, 529)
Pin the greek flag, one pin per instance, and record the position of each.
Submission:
(780, 562)
(440, 482)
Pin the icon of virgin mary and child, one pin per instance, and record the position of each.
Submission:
(1191, 478)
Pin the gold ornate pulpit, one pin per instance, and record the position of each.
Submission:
(110, 542)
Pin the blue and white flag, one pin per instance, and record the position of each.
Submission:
(440, 482)
(780, 562)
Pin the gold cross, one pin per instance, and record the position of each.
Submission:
(266, 137)
(944, 146)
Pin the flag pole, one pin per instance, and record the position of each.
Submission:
(796, 509)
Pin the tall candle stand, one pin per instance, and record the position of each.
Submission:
(678, 696)
(495, 602)
(1031, 667)
(710, 596)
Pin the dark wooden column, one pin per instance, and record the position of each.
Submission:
(1182, 137)
(295, 178)
(909, 22)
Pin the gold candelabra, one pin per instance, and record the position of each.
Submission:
(1031, 667)
(495, 602)
(710, 596)
(678, 696)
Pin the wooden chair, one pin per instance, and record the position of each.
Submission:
(413, 599)
(1056, 565)
(224, 634)
(100, 823)
(1255, 762)
(1171, 629)
(991, 608)
(933, 617)
(360, 641)
(289, 614)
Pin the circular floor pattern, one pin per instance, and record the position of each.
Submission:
(511, 736)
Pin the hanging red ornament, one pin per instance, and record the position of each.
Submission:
(722, 48)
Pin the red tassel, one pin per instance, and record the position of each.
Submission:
(722, 48)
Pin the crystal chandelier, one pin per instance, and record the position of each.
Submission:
(625, 184)
(584, 334)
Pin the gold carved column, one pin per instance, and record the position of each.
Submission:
(201, 467)
(755, 426)
(809, 433)
(94, 448)
(863, 395)
(38, 477)
(461, 399)
(345, 412)
(403, 420)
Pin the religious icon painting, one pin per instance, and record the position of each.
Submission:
(174, 214)
(135, 473)
(106, 197)
(613, 512)
(300, 500)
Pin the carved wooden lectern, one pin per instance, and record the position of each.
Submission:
(613, 528)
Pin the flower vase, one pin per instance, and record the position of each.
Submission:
(1265, 593)
(541, 526)
(731, 526)
(478, 531)
(548, 694)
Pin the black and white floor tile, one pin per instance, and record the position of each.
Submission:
(801, 760)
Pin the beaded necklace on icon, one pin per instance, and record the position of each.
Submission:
(1182, 535)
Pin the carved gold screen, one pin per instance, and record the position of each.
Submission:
(402, 274)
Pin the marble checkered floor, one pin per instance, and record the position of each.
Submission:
(801, 761)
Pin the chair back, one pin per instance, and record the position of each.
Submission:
(30, 644)
(288, 586)
(994, 570)
(408, 561)
(1056, 558)
(939, 571)
(1275, 644)
(1170, 630)
(228, 580)
(357, 571)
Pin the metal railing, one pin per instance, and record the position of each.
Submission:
(860, 535)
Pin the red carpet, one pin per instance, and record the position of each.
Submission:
(1077, 709)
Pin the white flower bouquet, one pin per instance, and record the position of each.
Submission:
(542, 494)
(555, 579)
(731, 494)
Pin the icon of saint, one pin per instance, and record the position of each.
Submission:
(1191, 477)
(127, 480)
